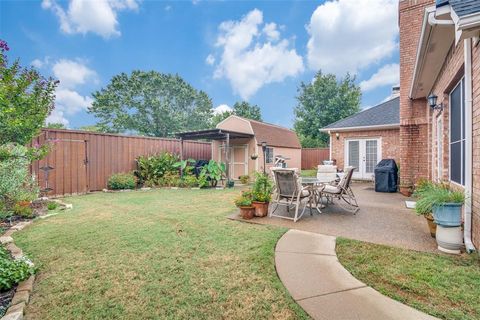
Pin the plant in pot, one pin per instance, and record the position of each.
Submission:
(261, 194)
(424, 206)
(244, 203)
(254, 156)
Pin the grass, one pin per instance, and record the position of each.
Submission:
(169, 254)
(309, 173)
(447, 287)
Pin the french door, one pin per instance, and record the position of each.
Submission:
(363, 154)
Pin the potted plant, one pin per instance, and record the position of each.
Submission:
(447, 206)
(254, 156)
(424, 206)
(244, 179)
(244, 203)
(261, 194)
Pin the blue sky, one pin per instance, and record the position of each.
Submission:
(234, 50)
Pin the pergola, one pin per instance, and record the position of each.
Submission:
(213, 134)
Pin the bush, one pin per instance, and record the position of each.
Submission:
(244, 179)
(190, 181)
(16, 182)
(151, 169)
(262, 188)
(119, 181)
(23, 209)
(52, 205)
(12, 272)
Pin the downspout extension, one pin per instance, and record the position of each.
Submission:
(467, 233)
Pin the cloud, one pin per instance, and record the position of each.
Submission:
(387, 75)
(248, 60)
(83, 16)
(221, 109)
(349, 35)
(210, 60)
(72, 73)
(40, 63)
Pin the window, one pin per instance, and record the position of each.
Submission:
(269, 155)
(457, 134)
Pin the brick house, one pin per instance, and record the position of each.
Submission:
(366, 137)
(440, 57)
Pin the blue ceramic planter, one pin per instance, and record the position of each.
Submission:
(448, 214)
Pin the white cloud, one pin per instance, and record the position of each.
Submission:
(249, 62)
(71, 102)
(57, 117)
(83, 16)
(73, 73)
(221, 109)
(210, 60)
(40, 63)
(348, 35)
(387, 75)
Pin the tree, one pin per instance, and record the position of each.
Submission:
(151, 104)
(323, 102)
(55, 125)
(26, 100)
(92, 128)
(241, 109)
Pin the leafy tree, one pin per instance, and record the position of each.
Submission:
(152, 104)
(26, 100)
(242, 109)
(322, 102)
(92, 128)
(55, 125)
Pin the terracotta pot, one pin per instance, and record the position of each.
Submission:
(247, 212)
(432, 226)
(406, 190)
(261, 208)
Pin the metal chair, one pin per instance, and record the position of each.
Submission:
(343, 192)
(288, 192)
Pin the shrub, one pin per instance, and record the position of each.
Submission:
(120, 181)
(16, 182)
(190, 181)
(11, 271)
(244, 179)
(262, 188)
(151, 169)
(23, 209)
(212, 172)
(52, 205)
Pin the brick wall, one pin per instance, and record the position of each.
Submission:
(390, 141)
(414, 114)
(476, 145)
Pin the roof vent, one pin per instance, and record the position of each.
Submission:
(396, 90)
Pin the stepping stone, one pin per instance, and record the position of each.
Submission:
(6, 239)
(297, 241)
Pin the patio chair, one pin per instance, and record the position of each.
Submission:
(327, 173)
(288, 192)
(343, 192)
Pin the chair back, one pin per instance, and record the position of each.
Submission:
(326, 173)
(347, 178)
(286, 181)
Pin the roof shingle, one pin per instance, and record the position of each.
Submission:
(386, 113)
(465, 7)
(274, 135)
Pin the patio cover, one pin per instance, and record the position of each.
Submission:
(213, 134)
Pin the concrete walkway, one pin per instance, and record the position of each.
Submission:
(308, 266)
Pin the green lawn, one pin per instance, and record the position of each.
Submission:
(157, 254)
(447, 287)
(308, 173)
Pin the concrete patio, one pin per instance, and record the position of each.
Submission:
(382, 218)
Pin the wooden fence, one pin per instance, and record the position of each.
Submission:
(83, 161)
(312, 157)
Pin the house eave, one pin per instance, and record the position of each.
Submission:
(362, 128)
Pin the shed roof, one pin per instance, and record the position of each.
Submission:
(382, 115)
(273, 135)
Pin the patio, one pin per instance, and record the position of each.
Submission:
(382, 219)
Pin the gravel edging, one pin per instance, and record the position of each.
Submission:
(24, 289)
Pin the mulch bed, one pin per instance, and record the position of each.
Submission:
(5, 299)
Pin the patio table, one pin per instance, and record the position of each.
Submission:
(314, 186)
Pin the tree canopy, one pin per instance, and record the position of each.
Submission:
(26, 100)
(242, 109)
(152, 104)
(322, 102)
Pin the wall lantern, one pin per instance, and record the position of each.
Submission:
(432, 102)
(337, 135)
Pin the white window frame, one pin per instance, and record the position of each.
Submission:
(462, 107)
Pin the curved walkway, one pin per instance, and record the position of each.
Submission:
(308, 266)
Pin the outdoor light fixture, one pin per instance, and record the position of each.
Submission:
(337, 135)
(432, 102)
(264, 146)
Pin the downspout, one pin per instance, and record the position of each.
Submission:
(467, 233)
(329, 146)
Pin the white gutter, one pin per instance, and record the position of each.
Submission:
(330, 146)
(467, 233)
